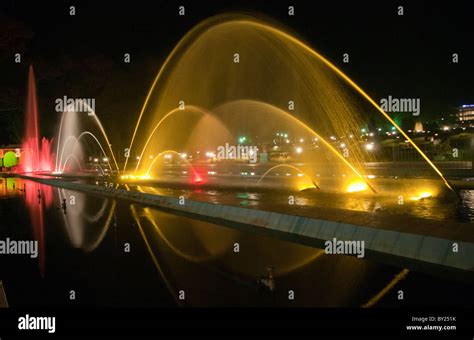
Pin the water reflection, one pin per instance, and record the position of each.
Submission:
(37, 197)
(86, 224)
(209, 262)
(214, 265)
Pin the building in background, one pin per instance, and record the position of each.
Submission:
(465, 115)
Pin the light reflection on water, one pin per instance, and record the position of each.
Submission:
(200, 257)
(467, 206)
(433, 208)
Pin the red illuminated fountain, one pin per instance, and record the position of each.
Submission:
(35, 157)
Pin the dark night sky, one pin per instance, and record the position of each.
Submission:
(408, 56)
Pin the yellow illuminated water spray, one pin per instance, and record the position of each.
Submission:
(185, 42)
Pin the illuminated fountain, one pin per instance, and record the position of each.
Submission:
(217, 84)
(76, 133)
(35, 157)
(233, 76)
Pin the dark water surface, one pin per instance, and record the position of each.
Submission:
(84, 248)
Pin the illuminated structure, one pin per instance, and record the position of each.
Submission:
(9, 156)
(465, 115)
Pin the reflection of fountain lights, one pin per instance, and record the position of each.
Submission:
(356, 185)
(77, 214)
(134, 177)
(226, 238)
(152, 254)
(193, 258)
(421, 196)
(37, 197)
(400, 276)
(306, 185)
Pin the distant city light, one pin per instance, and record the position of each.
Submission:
(369, 146)
(299, 149)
